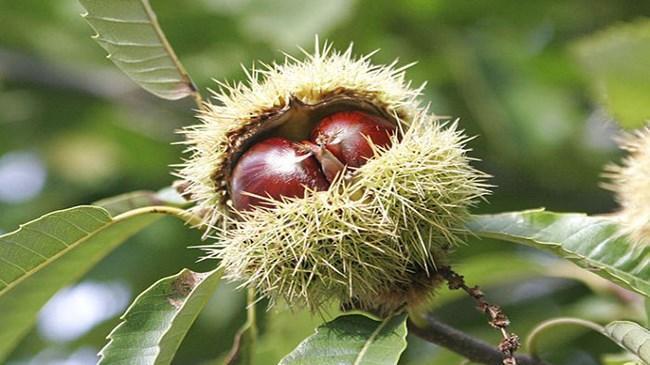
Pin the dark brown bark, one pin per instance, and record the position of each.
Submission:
(465, 345)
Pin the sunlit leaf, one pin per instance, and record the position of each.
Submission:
(50, 252)
(631, 337)
(353, 339)
(618, 60)
(155, 324)
(594, 243)
(129, 31)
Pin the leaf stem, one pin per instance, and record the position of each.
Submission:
(198, 99)
(182, 214)
(250, 313)
(244, 343)
(533, 338)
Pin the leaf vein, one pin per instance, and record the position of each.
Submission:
(14, 265)
(38, 231)
(115, 20)
(137, 60)
(128, 44)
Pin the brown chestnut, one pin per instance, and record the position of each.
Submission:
(345, 134)
(274, 168)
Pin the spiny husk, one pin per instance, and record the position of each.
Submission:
(631, 183)
(370, 241)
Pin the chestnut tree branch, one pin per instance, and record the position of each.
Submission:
(463, 344)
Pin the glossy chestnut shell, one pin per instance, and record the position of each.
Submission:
(274, 168)
(346, 134)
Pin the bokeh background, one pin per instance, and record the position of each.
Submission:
(73, 130)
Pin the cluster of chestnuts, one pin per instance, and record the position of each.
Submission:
(278, 167)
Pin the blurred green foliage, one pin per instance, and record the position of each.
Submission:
(73, 129)
(618, 60)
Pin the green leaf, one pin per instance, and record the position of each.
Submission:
(631, 337)
(129, 31)
(353, 339)
(50, 252)
(591, 242)
(139, 199)
(618, 60)
(155, 324)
